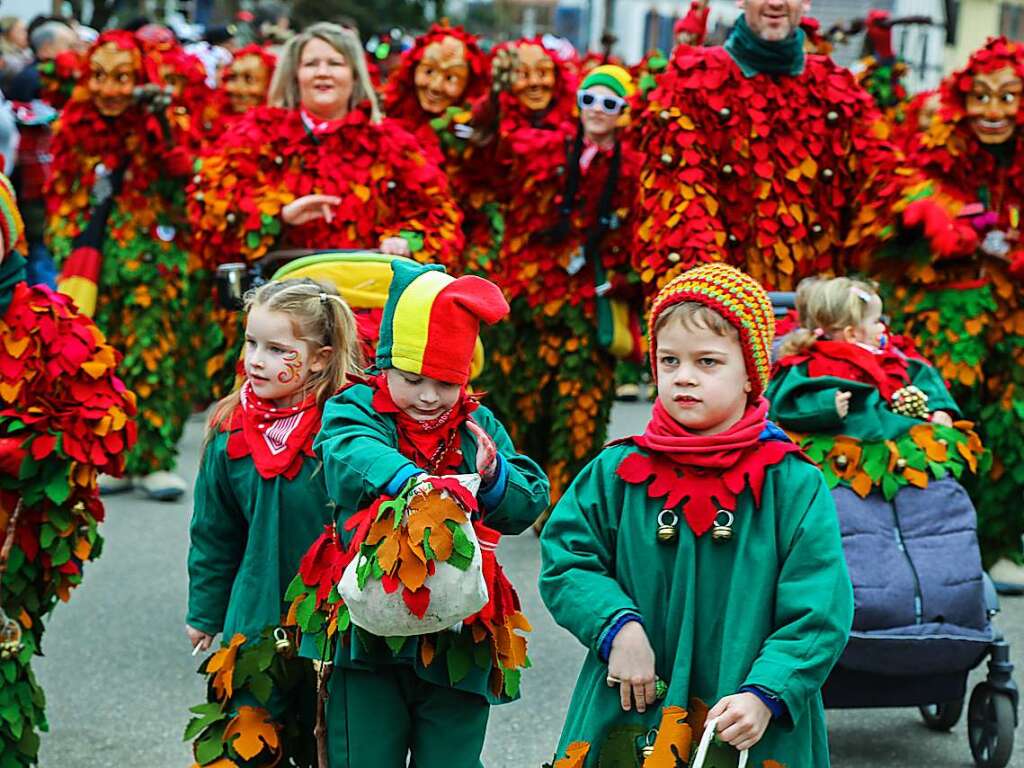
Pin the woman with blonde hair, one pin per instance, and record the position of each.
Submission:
(319, 167)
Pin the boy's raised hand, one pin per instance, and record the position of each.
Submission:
(742, 719)
(486, 451)
(631, 667)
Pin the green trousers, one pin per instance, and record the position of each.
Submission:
(377, 719)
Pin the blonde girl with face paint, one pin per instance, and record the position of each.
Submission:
(260, 501)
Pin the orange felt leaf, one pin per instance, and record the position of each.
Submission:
(916, 477)
(772, 764)
(426, 651)
(252, 731)
(412, 571)
(861, 484)
(222, 666)
(223, 762)
(293, 609)
(674, 739)
(924, 436)
(432, 510)
(387, 552)
(575, 755)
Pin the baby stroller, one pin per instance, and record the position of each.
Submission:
(923, 610)
(361, 277)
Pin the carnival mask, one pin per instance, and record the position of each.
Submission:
(246, 82)
(992, 105)
(113, 75)
(534, 82)
(441, 75)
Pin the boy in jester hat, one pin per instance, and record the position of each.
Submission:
(701, 560)
(429, 695)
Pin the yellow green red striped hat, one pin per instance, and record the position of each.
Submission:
(738, 298)
(431, 320)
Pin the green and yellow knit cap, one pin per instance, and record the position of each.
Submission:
(610, 76)
(738, 298)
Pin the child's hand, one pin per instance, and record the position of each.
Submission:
(486, 452)
(843, 403)
(943, 418)
(201, 641)
(742, 719)
(631, 666)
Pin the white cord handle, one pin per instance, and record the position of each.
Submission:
(705, 742)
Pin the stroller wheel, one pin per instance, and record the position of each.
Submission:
(942, 717)
(990, 725)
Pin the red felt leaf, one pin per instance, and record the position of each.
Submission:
(417, 602)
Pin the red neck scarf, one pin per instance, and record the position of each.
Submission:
(705, 473)
(434, 446)
(277, 439)
(886, 370)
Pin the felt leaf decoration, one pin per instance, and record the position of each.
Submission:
(222, 666)
(674, 739)
(575, 755)
(251, 732)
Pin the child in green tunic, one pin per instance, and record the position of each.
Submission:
(260, 501)
(700, 562)
(427, 696)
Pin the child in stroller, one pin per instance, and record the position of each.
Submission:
(882, 425)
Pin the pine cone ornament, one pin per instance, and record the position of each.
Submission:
(910, 401)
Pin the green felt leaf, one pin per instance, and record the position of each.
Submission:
(363, 571)
(938, 470)
(512, 679)
(304, 612)
(61, 553)
(28, 744)
(252, 240)
(459, 663)
(427, 550)
(211, 746)
(482, 655)
(395, 644)
(875, 461)
(295, 588)
(261, 686)
(461, 542)
(58, 489)
(211, 713)
(890, 487)
(47, 535)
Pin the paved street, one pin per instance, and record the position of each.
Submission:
(120, 677)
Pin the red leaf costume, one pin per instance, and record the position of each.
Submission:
(762, 172)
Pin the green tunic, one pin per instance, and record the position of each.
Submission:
(770, 608)
(361, 462)
(248, 536)
(808, 404)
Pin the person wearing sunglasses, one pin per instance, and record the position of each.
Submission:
(564, 253)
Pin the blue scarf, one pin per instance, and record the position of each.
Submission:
(755, 56)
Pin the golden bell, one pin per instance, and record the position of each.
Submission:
(668, 526)
(282, 643)
(721, 531)
(842, 461)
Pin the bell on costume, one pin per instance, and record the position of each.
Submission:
(282, 643)
(668, 526)
(721, 531)
(648, 748)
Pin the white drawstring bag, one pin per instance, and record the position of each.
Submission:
(455, 594)
(705, 744)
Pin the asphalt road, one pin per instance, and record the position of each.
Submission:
(120, 678)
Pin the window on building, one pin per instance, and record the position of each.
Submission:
(1011, 21)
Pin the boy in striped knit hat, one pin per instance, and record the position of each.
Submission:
(428, 695)
(702, 558)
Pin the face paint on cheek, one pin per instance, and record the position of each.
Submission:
(293, 366)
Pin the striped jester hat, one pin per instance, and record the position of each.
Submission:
(431, 320)
(738, 298)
